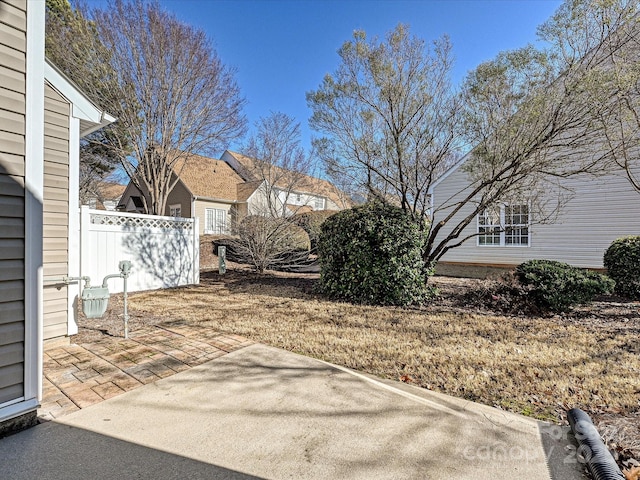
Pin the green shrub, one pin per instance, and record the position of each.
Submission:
(557, 286)
(372, 254)
(622, 261)
(312, 222)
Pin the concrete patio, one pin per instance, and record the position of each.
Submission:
(185, 402)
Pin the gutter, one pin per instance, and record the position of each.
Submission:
(220, 200)
(105, 119)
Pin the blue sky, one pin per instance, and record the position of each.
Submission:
(281, 49)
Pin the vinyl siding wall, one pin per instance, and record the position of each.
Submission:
(179, 195)
(12, 198)
(600, 210)
(56, 212)
(129, 191)
(257, 203)
(331, 205)
(200, 212)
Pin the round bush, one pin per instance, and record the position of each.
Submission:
(372, 254)
(622, 261)
(557, 286)
(312, 222)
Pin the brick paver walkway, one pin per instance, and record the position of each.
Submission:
(76, 376)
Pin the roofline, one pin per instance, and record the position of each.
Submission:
(220, 200)
(82, 106)
(442, 177)
(201, 197)
(237, 166)
(183, 184)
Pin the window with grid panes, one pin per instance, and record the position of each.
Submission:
(506, 225)
(489, 227)
(215, 221)
(175, 210)
(516, 222)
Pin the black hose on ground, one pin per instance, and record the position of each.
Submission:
(599, 461)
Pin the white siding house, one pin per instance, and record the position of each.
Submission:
(598, 210)
(293, 191)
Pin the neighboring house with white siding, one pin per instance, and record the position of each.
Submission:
(42, 116)
(294, 192)
(219, 192)
(597, 210)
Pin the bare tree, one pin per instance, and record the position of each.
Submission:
(270, 243)
(73, 45)
(529, 129)
(529, 115)
(388, 117)
(176, 95)
(275, 157)
(276, 161)
(610, 30)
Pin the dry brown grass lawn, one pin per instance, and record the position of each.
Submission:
(534, 366)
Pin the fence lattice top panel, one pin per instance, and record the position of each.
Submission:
(141, 222)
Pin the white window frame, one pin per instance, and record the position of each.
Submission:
(505, 230)
(319, 203)
(212, 223)
(175, 210)
(513, 228)
(490, 220)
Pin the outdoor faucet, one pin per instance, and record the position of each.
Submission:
(87, 280)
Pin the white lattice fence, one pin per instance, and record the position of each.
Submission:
(164, 251)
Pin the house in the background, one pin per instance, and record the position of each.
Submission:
(106, 196)
(295, 192)
(219, 192)
(42, 117)
(206, 188)
(598, 210)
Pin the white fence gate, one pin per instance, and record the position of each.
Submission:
(164, 251)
